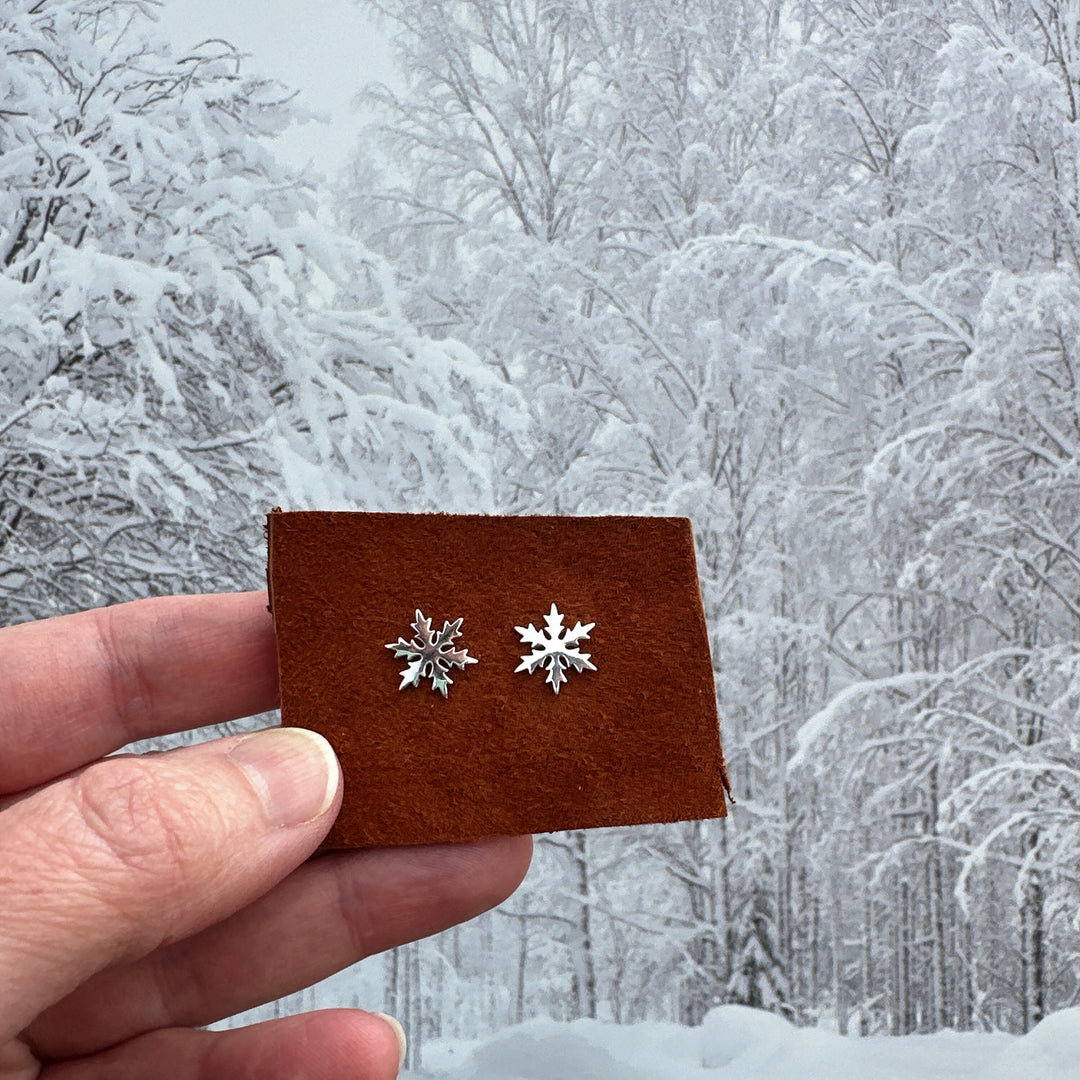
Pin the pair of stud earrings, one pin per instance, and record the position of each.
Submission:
(431, 653)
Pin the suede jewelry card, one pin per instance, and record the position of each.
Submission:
(483, 676)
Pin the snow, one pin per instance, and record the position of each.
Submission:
(819, 724)
(1049, 1052)
(738, 1043)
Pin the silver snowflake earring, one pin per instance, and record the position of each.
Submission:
(430, 654)
(555, 648)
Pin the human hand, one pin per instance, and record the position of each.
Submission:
(143, 896)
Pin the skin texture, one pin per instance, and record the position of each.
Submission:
(144, 897)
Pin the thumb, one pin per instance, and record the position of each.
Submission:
(132, 853)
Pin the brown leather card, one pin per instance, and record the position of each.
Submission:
(631, 737)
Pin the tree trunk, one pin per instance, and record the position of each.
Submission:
(866, 967)
(1032, 942)
(907, 919)
(438, 992)
(523, 960)
(390, 996)
(902, 1011)
(727, 961)
(939, 1003)
(487, 946)
(583, 984)
(837, 934)
(415, 1027)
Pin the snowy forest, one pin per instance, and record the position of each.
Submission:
(804, 271)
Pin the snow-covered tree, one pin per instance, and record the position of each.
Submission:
(808, 274)
(182, 343)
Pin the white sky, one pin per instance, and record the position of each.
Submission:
(327, 49)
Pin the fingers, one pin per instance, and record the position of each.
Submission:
(137, 852)
(336, 1044)
(327, 915)
(79, 686)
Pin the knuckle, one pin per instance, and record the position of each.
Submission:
(131, 698)
(355, 910)
(134, 820)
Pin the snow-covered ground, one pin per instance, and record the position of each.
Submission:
(736, 1043)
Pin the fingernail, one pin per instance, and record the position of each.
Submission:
(293, 771)
(399, 1031)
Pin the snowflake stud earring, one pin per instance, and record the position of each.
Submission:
(555, 648)
(430, 654)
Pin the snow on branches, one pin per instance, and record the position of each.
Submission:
(181, 337)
